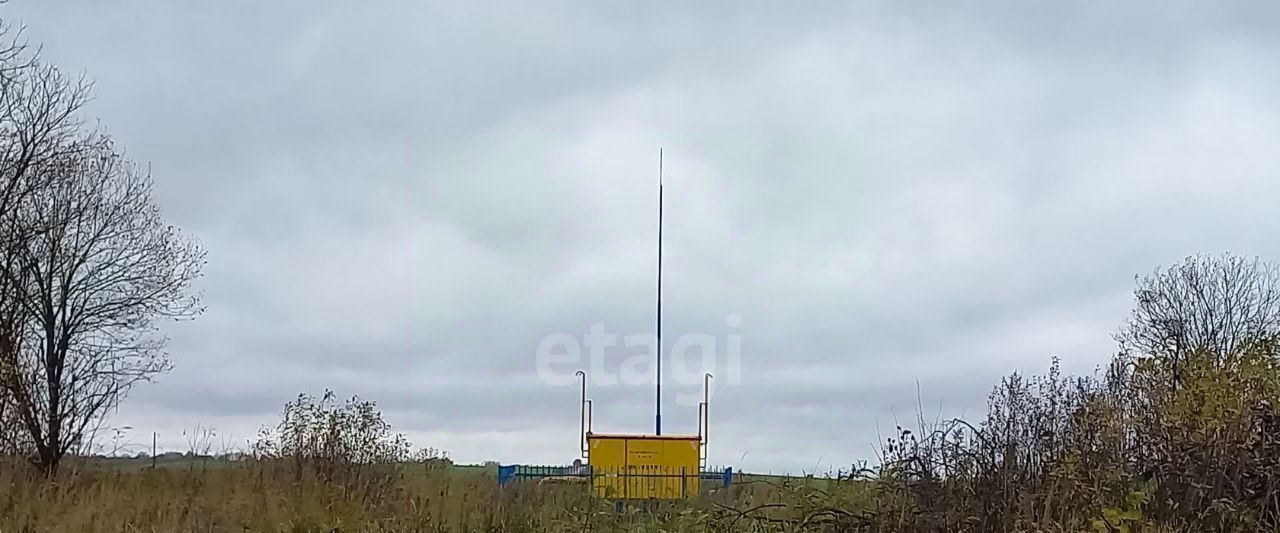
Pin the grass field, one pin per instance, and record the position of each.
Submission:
(336, 466)
(204, 495)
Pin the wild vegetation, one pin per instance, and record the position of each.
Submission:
(1176, 434)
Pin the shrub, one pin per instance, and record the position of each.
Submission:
(346, 443)
(1132, 449)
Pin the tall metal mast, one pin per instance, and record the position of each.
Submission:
(657, 421)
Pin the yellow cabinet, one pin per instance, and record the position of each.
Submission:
(639, 467)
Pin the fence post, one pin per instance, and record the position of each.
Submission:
(506, 474)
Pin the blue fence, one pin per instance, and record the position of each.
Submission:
(711, 479)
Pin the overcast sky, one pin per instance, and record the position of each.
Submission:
(402, 200)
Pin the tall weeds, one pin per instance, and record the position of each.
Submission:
(1133, 449)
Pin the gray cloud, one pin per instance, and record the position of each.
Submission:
(402, 200)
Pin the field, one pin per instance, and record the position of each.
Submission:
(201, 495)
(336, 466)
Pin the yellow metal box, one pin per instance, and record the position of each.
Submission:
(634, 467)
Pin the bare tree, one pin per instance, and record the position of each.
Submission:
(96, 270)
(38, 115)
(1210, 304)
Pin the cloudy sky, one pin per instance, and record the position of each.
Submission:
(403, 200)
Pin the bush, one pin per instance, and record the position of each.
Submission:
(346, 443)
(1133, 449)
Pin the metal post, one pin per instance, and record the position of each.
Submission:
(704, 424)
(582, 416)
(657, 421)
(684, 484)
(153, 450)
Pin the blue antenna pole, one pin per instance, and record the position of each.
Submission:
(657, 421)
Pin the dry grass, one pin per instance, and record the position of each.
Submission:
(269, 497)
(336, 466)
(263, 498)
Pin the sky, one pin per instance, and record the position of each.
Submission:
(872, 210)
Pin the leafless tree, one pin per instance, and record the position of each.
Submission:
(95, 271)
(1211, 304)
(39, 108)
(38, 114)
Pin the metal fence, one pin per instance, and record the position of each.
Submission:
(630, 483)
